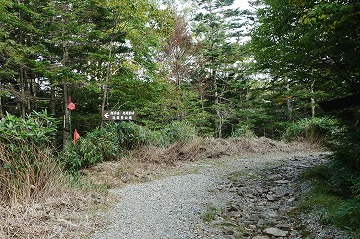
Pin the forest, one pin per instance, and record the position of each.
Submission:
(196, 67)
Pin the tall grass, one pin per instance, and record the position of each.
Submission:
(28, 169)
(27, 172)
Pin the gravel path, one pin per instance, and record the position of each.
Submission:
(173, 207)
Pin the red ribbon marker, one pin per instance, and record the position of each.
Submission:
(71, 105)
(76, 136)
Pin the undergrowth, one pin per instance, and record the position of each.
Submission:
(338, 209)
(37, 198)
(28, 169)
(110, 142)
(27, 172)
(315, 130)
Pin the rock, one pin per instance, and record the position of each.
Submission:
(233, 208)
(261, 237)
(291, 199)
(270, 197)
(230, 237)
(249, 195)
(286, 227)
(259, 190)
(229, 231)
(272, 231)
(274, 176)
(282, 181)
(264, 203)
(271, 214)
(260, 222)
(252, 227)
(67, 223)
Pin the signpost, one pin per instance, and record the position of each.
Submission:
(119, 115)
(114, 115)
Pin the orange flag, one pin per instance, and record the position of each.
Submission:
(76, 136)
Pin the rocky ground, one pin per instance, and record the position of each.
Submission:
(265, 203)
(255, 197)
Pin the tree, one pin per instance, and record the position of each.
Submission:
(314, 43)
(218, 28)
(20, 49)
(179, 53)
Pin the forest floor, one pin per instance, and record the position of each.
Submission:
(236, 188)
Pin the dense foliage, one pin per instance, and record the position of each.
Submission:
(36, 128)
(183, 75)
(110, 142)
(311, 49)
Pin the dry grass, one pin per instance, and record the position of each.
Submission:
(148, 162)
(36, 201)
(47, 208)
(27, 172)
(217, 148)
(67, 214)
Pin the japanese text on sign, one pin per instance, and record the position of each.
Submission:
(119, 115)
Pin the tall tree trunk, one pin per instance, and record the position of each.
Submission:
(107, 77)
(312, 99)
(22, 93)
(52, 101)
(288, 102)
(66, 132)
(218, 124)
(1, 105)
(105, 94)
(32, 91)
(357, 115)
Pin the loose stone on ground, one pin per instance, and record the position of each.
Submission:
(244, 198)
(261, 205)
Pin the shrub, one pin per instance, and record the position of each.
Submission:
(27, 167)
(315, 130)
(37, 127)
(340, 180)
(109, 142)
(345, 179)
(95, 147)
(347, 216)
(133, 135)
(176, 132)
(243, 130)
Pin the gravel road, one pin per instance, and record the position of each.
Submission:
(173, 207)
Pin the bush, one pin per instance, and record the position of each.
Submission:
(340, 180)
(37, 127)
(133, 135)
(109, 142)
(314, 130)
(347, 216)
(345, 179)
(28, 169)
(333, 196)
(95, 147)
(176, 132)
(243, 130)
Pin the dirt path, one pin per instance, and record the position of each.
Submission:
(204, 201)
